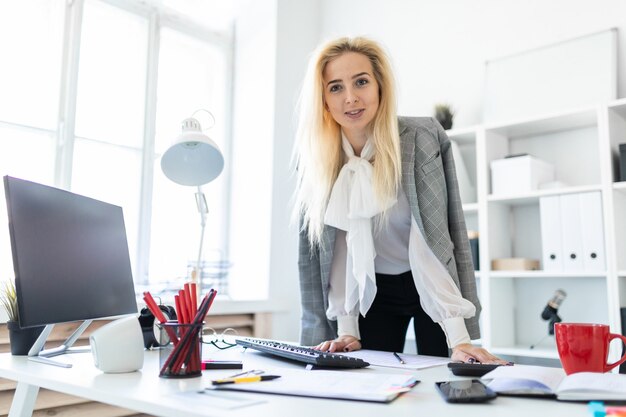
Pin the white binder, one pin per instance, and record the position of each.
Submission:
(466, 188)
(551, 248)
(592, 228)
(571, 233)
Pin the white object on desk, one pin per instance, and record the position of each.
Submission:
(387, 359)
(361, 386)
(117, 347)
(223, 400)
(539, 380)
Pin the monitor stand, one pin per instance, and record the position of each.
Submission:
(36, 353)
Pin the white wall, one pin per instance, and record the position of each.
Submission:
(253, 136)
(297, 36)
(439, 47)
(273, 41)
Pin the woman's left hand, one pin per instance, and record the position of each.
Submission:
(466, 352)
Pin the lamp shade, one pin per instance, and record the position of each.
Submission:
(193, 158)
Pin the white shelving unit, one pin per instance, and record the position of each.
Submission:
(582, 145)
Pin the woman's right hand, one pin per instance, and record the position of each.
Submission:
(344, 343)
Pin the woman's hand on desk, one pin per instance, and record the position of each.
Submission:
(341, 344)
(466, 352)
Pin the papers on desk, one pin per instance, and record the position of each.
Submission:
(387, 359)
(221, 400)
(346, 385)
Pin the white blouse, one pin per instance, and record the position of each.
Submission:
(399, 246)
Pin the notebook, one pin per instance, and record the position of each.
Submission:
(525, 380)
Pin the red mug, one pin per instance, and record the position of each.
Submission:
(584, 347)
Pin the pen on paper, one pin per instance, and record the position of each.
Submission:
(399, 358)
(244, 379)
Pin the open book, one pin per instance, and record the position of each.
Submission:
(553, 382)
(353, 385)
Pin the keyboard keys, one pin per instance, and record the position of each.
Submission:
(302, 354)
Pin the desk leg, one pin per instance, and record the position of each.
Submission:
(24, 400)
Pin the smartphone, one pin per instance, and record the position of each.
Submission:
(465, 391)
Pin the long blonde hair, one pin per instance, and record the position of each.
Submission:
(318, 154)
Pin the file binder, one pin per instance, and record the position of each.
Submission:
(571, 233)
(592, 227)
(551, 248)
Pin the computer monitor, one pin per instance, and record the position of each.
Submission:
(70, 257)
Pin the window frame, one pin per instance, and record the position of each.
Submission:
(158, 17)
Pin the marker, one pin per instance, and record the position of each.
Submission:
(597, 409)
(399, 358)
(210, 364)
(244, 379)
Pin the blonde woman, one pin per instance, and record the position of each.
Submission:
(383, 238)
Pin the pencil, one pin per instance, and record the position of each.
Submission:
(399, 358)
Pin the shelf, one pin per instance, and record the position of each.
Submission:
(579, 143)
(463, 135)
(619, 106)
(533, 197)
(470, 208)
(552, 123)
(526, 352)
(620, 186)
(546, 274)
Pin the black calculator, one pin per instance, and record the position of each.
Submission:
(471, 369)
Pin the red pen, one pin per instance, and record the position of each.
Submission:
(190, 308)
(158, 314)
(194, 297)
(183, 308)
(178, 307)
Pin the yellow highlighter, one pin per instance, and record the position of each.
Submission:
(244, 379)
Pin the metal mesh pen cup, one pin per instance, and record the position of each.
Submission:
(180, 355)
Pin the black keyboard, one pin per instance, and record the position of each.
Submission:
(302, 354)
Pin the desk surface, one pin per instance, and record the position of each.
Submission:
(145, 392)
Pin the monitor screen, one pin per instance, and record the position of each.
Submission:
(70, 255)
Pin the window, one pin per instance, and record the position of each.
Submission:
(192, 75)
(29, 82)
(97, 100)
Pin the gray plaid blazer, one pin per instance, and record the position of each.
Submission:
(430, 184)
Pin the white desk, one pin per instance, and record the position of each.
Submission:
(145, 392)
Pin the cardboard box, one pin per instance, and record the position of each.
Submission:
(514, 264)
(519, 174)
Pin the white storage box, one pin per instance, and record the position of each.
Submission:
(519, 174)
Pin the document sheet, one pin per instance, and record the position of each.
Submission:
(359, 385)
(380, 358)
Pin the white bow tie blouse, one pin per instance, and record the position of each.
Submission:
(399, 246)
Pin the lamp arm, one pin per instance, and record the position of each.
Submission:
(203, 209)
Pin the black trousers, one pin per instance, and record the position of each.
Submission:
(387, 321)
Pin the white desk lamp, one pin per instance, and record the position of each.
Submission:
(194, 159)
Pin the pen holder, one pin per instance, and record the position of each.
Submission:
(180, 355)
